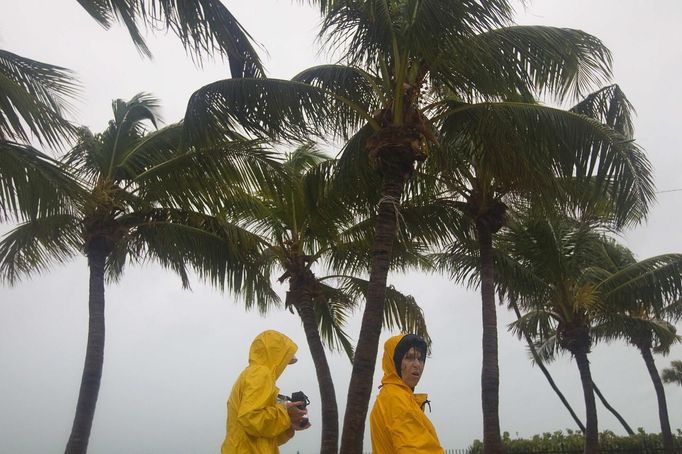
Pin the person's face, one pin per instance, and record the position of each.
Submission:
(411, 367)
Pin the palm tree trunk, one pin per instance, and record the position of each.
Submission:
(613, 411)
(94, 357)
(668, 447)
(592, 428)
(330, 413)
(490, 372)
(360, 387)
(546, 373)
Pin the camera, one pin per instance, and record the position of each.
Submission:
(299, 396)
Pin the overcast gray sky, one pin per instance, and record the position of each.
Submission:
(171, 355)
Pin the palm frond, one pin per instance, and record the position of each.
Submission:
(610, 106)
(332, 315)
(32, 247)
(653, 282)
(221, 253)
(346, 82)
(400, 311)
(525, 61)
(267, 108)
(33, 185)
(366, 31)
(530, 148)
(34, 97)
(205, 28)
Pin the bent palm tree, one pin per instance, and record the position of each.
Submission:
(643, 288)
(205, 28)
(379, 98)
(570, 292)
(133, 206)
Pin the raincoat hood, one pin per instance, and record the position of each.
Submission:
(273, 350)
(398, 424)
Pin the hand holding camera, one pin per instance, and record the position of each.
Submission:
(298, 414)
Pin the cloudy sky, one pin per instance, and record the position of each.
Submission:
(171, 355)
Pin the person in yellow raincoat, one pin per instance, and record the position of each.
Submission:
(397, 423)
(256, 423)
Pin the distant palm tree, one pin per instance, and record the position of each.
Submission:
(673, 374)
(381, 98)
(647, 321)
(303, 226)
(205, 28)
(133, 205)
(566, 293)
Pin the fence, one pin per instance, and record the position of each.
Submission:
(642, 450)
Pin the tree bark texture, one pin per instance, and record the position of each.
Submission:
(613, 411)
(490, 372)
(591, 425)
(360, 387)
(94, 356)
(330, 415)
(668, 443)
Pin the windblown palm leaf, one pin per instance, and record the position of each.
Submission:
(33, 184)
(205, 28)
(34, 98)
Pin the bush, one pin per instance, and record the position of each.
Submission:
(572, 441)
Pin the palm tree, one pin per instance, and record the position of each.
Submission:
(673, 374)
(205, 28)
(302, 224)
(647, 323)
(566, 293)
(496, 154)
(560, 303)
(134, 206)
(379, 98)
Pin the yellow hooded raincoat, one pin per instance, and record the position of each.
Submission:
(256, 424)
(397, 422)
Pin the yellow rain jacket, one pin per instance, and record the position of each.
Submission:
(397, 423)
(256, 424)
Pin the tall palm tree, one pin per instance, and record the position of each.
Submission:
(134, 206)
(379, 98)
(496, 154)
(304, 228)
(205, 28)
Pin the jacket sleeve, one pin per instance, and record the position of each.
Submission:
(408, 431)
(285, 436)
(257, 413)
